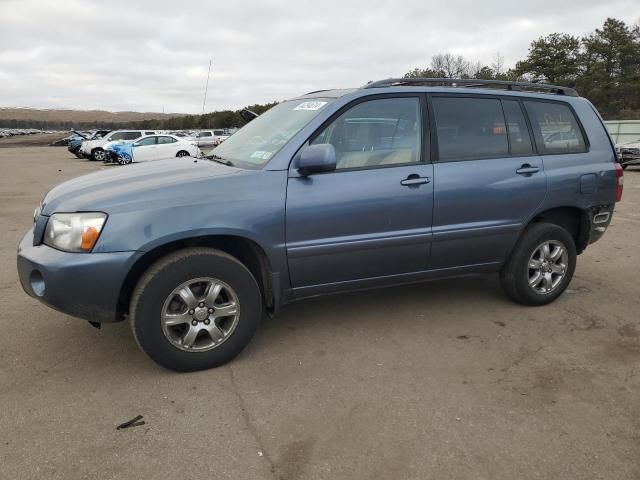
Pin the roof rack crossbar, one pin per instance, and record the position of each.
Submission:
(474, 83)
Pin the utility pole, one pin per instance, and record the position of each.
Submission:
(206, 88)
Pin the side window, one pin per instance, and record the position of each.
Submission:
(149, 133)
(166, 140)
(117, 136)
(555, 127)
(377, 132)
(131, 135)
(147, 141)
(469, 128)
(517, 128)
(204, 134)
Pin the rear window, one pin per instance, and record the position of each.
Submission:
(555, 127)
(470, 128)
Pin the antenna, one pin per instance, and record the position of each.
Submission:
(206, 88)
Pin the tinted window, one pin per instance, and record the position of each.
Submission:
(218, 132)
(204, 134)
(517, 128)
(165, 140)
(147, 141)
(555, 127)
(149, 133)
(131, 135)
(469, 128)
(117, 136)
(374, 133)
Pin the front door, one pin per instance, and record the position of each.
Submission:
(370, 219)
(145, 149)
(488, 180)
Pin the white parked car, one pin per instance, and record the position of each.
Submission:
(152, 147)
(94, 149)
(211, 138)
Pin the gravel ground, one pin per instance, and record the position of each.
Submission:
(440, 380)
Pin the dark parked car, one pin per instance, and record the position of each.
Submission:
(399, 181)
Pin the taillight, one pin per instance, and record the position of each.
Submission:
(619, 181)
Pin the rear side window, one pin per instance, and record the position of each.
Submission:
(555, 127)
(469, 128)
(166, 140)
(519, 138)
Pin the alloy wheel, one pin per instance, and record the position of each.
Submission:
(200, 314)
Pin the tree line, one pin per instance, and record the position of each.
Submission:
(604, 66)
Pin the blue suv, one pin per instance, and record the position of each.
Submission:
(403, 180)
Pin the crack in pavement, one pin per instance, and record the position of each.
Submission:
(249, 424)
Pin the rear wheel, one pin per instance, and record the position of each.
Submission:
(182, 153)
(98, 155)
(195, 309)
(541, 265)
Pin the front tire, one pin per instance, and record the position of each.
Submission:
(98, 155)
(195, 309)
(541, 265)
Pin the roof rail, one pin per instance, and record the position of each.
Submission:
(474, 83)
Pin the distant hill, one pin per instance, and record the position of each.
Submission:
(79, 117)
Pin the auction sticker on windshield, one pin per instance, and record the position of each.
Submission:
(310, 105)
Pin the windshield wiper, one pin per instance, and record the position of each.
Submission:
(219, 159)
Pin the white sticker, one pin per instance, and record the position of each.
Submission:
(264, 155)
(310, 106)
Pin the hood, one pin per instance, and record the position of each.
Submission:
(138, 186)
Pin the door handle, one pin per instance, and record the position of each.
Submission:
(527, 169)
(414, 180)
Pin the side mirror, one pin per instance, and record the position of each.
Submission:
(317, 159)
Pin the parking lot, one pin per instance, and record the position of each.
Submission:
(439, 380)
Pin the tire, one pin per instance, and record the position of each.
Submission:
(154, 295)
(124, 161)
(98, 155)
(182, 153)
(517, 273)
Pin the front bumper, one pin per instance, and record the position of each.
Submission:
(84, 285)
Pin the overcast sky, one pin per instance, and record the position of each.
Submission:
(154, 55)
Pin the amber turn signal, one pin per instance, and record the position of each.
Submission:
(89, 238)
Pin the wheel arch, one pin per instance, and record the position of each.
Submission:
(245, 250)
(573, 219)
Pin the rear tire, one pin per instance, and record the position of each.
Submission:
(182, 153)
(155, 300)
(533, 277)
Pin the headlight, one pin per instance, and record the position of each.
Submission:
(74, 232)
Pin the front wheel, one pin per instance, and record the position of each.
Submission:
(195, 309)
(541, 265)
(98, 155)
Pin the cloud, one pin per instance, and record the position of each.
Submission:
(154, 55)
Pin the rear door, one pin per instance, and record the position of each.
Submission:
(488, 180)
(369, 221)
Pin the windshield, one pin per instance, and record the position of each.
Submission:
(254, 144)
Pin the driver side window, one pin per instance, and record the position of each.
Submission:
(147, 141)
(376, 133)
